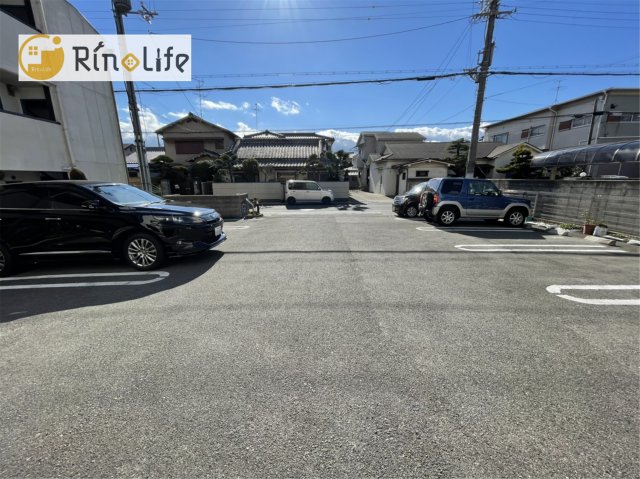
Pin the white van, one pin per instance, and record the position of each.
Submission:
(299, 191)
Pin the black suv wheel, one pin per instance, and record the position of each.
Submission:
(6, 261)
(143, 251)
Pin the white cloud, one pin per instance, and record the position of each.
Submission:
(219, 105)
(244, 129)
(285, 107)
(149, 122)
(434, 133)
(246, 105)
(177, 114)
(345, 140)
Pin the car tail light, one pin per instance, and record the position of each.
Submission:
(436, 198)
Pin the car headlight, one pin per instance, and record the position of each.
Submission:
(185, 220)
(403, 199)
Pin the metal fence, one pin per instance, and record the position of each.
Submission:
(618, 208)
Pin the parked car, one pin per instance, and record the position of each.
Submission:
(407, 204)
(448, 199)
(62, 218)
(299, 191)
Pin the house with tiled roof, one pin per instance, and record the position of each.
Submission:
(191, 135)
(403, 165)
(371, 145)
(282, 156)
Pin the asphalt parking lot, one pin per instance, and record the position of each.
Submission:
(332, 341)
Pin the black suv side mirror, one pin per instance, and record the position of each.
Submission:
(92, 205)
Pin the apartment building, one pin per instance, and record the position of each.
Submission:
(47, 128)
(607, 116)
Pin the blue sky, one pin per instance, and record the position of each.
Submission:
(543, 35)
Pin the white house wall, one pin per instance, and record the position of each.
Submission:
(84, 111)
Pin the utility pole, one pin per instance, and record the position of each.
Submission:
(490, 11)
(256, 109)
(120, 8)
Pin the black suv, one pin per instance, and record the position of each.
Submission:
(407, 204)
(88, 217)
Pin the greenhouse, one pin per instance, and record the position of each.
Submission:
(605, 160)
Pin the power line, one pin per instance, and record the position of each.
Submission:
(575, 24)
(330, 40)
(383, 81)
(406, 125)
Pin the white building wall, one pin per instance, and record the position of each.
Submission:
(87, 135)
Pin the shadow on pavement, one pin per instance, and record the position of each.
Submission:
(30, 300)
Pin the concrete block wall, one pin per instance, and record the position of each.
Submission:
(270, 191)
(615, 203)
(231, 206)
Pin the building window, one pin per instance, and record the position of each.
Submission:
(422, 173)
(623, 117)
(581, 121)
(565, 125)
(501, 138)
(39, 107)
(20, 10)
(218, 143)
(189, 147)
(537, 130)
(524, 134)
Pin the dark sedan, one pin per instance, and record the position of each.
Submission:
(61, 218)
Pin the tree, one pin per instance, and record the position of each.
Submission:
(338, 161)
(314, 165)
(227, 161)
(77, 174)
(162, 165)
(459, 151)
(520, 165)
(203, 170)
(250, 167)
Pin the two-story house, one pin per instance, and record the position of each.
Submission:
(191, 136)
(48, 128)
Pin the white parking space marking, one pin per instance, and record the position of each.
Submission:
(236, 227)
(471, 228)
(558, 288)
(537, 247)
(159, 276)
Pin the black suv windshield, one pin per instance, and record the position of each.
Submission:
(125, 195)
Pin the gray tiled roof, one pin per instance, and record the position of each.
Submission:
(486, 147)
(278, 149)
(289, 135)
(152, 152)
(417, 151)
(282, 150)
(499, 150)
(393, 136)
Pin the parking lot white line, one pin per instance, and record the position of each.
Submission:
(160, 275)
(238, 227)
(537, 247)
(467, 229)
(558, 288)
